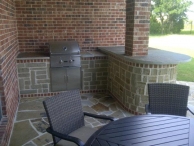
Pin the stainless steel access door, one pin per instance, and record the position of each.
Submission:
(65, 78)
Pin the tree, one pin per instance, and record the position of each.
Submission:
(154, 25)
(170, 13)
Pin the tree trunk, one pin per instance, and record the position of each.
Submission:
(162, 23)
(162, 26)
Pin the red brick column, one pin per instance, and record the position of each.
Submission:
(9, 47)
(137, 27)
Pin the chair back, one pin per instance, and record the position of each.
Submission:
(167, 98)
(64, 112)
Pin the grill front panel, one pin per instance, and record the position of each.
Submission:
(65, 61)
(65, 65)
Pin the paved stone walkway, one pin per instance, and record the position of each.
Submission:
(31, 121)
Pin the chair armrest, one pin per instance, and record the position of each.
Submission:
(147, 109)
(65, 137)
(190, 108)
(99, 116)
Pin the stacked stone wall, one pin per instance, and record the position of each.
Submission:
(95, 72)
(127, 81)
(34, 76)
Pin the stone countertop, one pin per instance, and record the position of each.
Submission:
(34, 55)
(155, 56)
(92, 54)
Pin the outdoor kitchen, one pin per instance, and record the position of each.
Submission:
(95, 46)
(103, 70)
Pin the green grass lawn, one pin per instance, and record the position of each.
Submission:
(183, 44)
(187, 32)
(186, 71)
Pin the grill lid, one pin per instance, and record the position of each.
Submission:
(64, 47)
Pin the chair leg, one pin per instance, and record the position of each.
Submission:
(190, 108)
(54, 143)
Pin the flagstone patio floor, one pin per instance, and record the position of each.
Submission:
(31, 121)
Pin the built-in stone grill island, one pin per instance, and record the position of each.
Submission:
(129, 75)
(34, 75)
(106, 70)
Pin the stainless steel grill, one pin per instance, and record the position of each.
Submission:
(65, 65)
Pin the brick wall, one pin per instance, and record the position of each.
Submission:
(137, 27)
(92, 23)
(8, 71)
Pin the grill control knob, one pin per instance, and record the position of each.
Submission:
(71, 60)
(65, 48)
(60, 61)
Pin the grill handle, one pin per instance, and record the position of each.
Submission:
(66, 78)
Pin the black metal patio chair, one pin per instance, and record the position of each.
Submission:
(165, 98)
(66, 119)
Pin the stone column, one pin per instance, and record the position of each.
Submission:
(137, 27)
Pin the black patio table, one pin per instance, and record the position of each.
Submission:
(146, 130)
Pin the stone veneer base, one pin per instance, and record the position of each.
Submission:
(34, 76)
(127, 81)
(123, 106)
